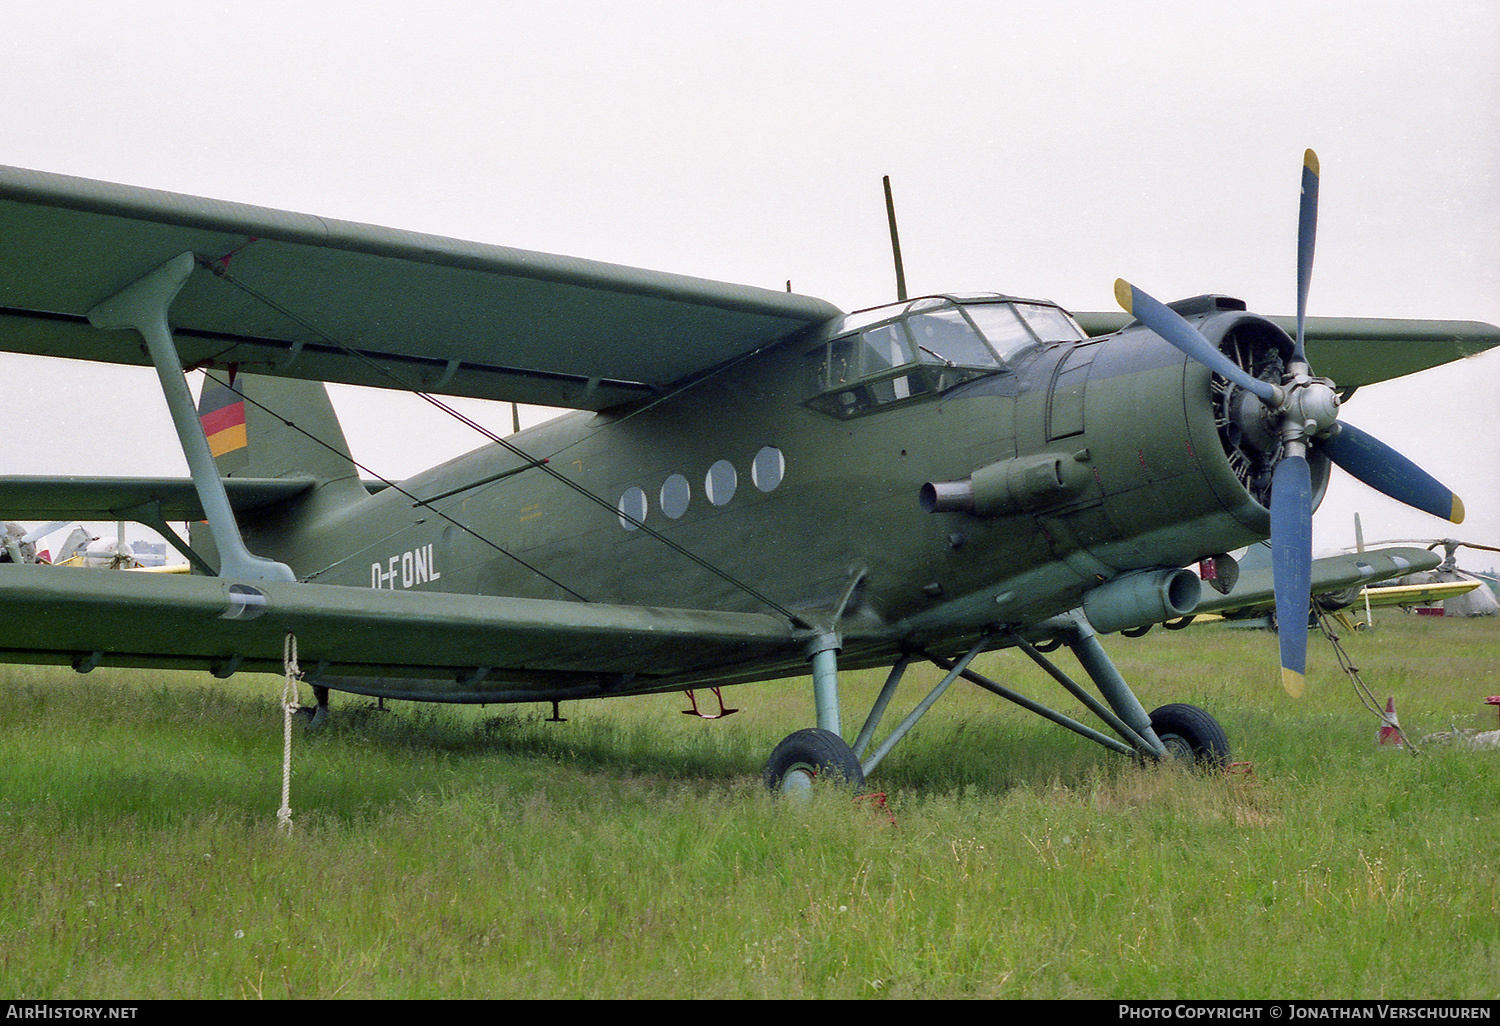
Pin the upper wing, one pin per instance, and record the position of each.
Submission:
(1255, 591)
(1355, 351)
(472, 648)
(304, 296)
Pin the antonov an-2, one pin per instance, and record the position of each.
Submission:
(754, 482)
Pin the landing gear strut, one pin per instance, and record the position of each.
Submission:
(317, 716)
(1177, 731)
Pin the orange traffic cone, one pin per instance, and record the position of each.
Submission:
(1390, 730)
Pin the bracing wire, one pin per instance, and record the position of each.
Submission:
(219, 269)
(402, 491)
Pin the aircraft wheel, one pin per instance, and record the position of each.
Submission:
(1191, 735)
(315, 718)
(810, 755)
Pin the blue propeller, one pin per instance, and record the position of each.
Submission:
(1305, 409)
(1167, 323)
(1307, 233)
(1387, 471)
(1291, 565)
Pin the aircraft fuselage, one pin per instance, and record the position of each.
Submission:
(787, 482)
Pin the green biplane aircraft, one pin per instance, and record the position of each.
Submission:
(751, 481)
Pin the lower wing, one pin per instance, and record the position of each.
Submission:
(426, 646)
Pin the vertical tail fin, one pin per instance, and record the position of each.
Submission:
(263, 427)
(260, 426)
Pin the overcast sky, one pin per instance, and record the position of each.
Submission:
(1040, 149)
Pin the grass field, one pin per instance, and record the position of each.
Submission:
(630, 852)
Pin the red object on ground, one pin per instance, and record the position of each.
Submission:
(1390, 730)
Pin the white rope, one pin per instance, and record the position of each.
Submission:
(289, 708)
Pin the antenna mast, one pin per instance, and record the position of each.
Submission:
(890, 214)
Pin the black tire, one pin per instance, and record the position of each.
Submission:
(808, 756)
(1192, 736)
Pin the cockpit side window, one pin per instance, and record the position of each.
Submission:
(887, 350)
(1001, 326)
(1049, 323)
(886, 347)
(854, 373)
(843, 361)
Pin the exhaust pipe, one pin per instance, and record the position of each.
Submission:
(1009, 486)
(1141, 599)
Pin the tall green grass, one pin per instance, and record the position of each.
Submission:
(630, 852)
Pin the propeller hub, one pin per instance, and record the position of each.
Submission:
(1311, 409)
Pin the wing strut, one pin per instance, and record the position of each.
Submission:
(143, 307)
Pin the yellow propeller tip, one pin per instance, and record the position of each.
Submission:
(1457, 516)
(1124, 295)
(1310, 161)
(1292, 681)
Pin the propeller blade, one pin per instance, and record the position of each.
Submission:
(1386, 470)
(1307, 231)
(1171, 326)
(38, 533)
(1291, 565)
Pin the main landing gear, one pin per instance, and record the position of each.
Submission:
(317, 716)
(1179, 732)
(1191, 736)
(809, 755)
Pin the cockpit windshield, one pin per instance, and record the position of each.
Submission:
(927, 346)
(944, 335)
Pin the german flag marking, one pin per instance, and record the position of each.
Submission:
(222, 413)
(227, 441)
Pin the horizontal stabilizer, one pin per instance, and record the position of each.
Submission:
(133, 498)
